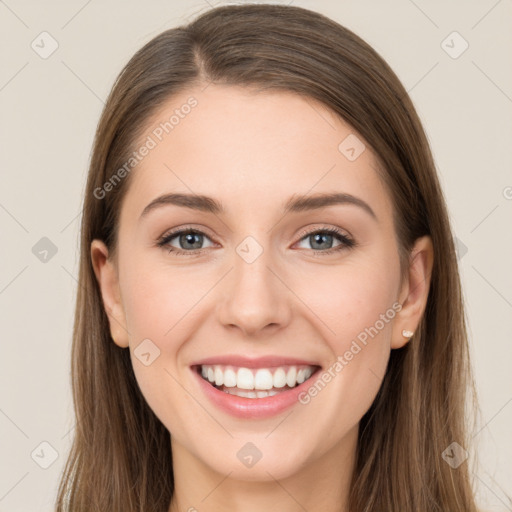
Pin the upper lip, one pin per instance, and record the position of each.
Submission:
(257, 362)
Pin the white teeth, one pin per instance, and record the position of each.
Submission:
(291, 376)
(279, 378)
(229, 378)
(303, 374)
(244, 379)
(249, 394)
(265, 380)
(219, 376)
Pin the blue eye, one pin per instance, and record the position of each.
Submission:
(192, 239)
(186, 239)
(326, 236)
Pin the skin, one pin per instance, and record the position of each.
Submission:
(253, 151)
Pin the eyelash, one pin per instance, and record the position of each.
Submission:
(346, 242)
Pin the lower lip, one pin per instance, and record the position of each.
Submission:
(248, 408)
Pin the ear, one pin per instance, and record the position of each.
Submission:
(107, 277)
(414, 292)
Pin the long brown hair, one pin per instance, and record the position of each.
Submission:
(121, 459)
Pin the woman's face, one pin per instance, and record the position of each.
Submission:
(260, 293)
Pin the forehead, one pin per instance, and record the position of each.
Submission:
(250, 149)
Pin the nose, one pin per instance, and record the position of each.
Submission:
(254, 298)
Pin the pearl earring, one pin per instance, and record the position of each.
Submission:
(407, 334)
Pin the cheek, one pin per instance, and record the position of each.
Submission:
(158, 297)
(160, 314)
(162, 307)
(352, 302)
(355, 309)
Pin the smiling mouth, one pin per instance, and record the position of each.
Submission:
(256, 382)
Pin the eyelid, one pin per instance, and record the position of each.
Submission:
(187, 227)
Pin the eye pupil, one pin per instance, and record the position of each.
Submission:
(318, 239)
(189, 238)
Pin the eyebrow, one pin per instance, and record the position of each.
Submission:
(294, 204)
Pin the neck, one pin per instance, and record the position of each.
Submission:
(321, 484)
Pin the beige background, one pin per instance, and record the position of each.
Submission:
(50, 107)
